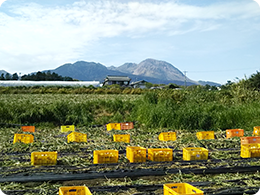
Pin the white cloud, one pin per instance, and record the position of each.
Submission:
(49, 36)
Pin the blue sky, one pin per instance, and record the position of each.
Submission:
(213, 40)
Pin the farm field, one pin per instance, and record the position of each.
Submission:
(225, 172)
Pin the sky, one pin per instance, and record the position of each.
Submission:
(212, 40)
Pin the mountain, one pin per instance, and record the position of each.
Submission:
(127, 68)
(85, 71)
(150, 70)
(3, 72)
(209, 83)
(155, 69)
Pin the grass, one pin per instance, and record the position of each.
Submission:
(185, 112)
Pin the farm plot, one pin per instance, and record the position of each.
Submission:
(225, 172)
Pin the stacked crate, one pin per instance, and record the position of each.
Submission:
(250, 140)
(250, 150)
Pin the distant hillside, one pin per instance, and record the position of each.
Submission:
(209, 83)
(156, 69)
(85, 71)
(151, 70)
(3, 72)
(127, 68)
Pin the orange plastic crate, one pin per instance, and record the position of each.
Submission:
(77, 137)
(74, 190)
(250, 150)
(250, 140)
(160, 154)
(167, 136)
(105, 156)
(126, 125)
(28, 129)
(234, 133)
(121, 138)
(256, 130)
(44, 158)
(205, 135)
(135, 154)
(25, 138)
(195, 154)
(181, 189)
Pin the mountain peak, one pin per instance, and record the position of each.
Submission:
(158, 69)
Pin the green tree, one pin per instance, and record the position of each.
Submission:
(254, 80)
(8, 76)
(15, 76)
(2, 77)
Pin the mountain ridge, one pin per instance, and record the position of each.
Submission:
(150, 70)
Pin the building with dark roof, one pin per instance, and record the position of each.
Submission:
(119, 80)
(139, 84)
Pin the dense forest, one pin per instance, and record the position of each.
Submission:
(39, 76)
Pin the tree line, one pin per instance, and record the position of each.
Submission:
(39, 76)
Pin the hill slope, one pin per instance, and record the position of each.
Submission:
(151, 70)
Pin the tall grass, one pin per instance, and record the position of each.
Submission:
(190, 109)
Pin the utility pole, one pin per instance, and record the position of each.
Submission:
(185, 82)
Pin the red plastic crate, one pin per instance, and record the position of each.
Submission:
(126, 125)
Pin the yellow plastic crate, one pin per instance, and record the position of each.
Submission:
(205, 135)
(74, 190)
(115, 126)
(25, 138)
(105, 156)
(121, 138)
(28, 129)
(160, 154)
(234, 133)
(167, 136)
(256, 130)
(44, 158)
(135, 154)
(77, 137)
(250, 150)
(181, 189)
(195, 154)
(66, 128)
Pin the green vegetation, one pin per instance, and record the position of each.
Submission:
(39, 76)
(184, 111)
(196, 107)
